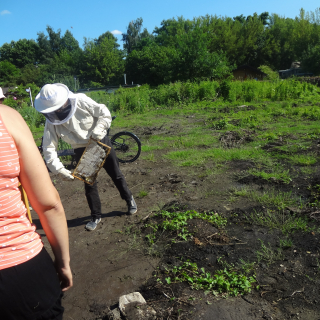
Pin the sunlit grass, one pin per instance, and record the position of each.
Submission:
(277, 174)
(275, 198)
(191, 157)
(303, 160)
(279, 219)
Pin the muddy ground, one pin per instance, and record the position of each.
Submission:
(114, 259)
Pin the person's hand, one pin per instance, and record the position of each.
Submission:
(65, 276)
(66, 174)
(98, 132)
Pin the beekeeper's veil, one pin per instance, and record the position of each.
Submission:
(56, 103)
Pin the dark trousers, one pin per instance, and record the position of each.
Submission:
(31, 290)
(111, 165)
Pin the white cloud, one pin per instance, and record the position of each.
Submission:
(116, 32)
(5, 12)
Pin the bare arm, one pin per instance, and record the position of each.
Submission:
(43, 196)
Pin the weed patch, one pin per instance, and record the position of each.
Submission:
(275, 198)
(304, 160)
(143, 193)
(268, 254)
(227, 283)
(177, 222)
(280, 220)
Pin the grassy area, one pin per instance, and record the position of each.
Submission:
(272, 125)
(199, 142)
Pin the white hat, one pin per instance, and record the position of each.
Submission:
(1, 94)
(51, 97)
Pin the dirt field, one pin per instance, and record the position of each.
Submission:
(115, 259)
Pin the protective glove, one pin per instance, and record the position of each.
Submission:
(65, 174)
(99, 131)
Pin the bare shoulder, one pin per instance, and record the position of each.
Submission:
(8, 111)
(10, 116)
(14, 122)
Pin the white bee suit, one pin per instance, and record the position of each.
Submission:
(76, 129)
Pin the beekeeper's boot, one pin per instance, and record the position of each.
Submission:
(91, 225)
(132, 206)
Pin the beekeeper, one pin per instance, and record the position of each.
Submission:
(75, 118)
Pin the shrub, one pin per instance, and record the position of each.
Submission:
(33, 118)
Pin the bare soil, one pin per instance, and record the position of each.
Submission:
(113, 260)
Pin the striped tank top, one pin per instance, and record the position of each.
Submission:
(18, 240)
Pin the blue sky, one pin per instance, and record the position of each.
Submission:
(23, 19)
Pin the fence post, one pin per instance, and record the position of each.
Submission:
(29, 90)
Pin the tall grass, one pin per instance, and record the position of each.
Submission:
(281, 90)
(33, 118)
(141, 99)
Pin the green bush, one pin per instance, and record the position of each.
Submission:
(32, 117)
(271, 75)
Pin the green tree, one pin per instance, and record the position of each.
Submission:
(311, 59)
(109, 36)
(53, 44)
(185, 57)
(102, 63)
(45, 52)
(55, 40)
(9, 73)
(134, 35)
(166, 34)
(152, 64)
(20, 53)
(29, 74)
(69, 43)
(195, 60)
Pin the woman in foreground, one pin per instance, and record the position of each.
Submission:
(29, 285)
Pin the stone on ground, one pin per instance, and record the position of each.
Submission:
(134, 307)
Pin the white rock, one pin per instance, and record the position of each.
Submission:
(134, 297)
(134, 307)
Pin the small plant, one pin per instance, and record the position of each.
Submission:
(143, 193)
(236, 193)
(220, 125)
(269, 136)
(150, 157)
(151, 237)
(168, 280)
(247, 267)
(315, 195)
(267, 254)
(128, 229)
(285, 243)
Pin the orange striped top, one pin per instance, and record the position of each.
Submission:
(18, 240)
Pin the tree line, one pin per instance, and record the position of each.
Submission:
(204, 48)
